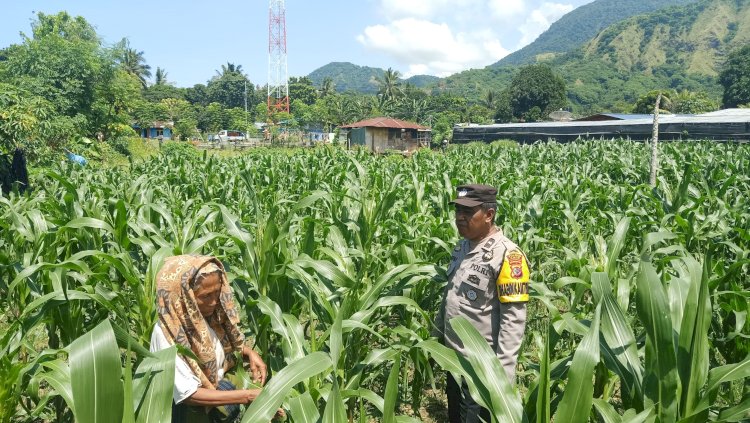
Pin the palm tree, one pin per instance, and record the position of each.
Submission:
(229, 68)
(133, 62)
(414, 109)
(390, 85)
(327, 88)
(160, 77)
(489, 100)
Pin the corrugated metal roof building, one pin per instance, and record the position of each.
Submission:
(383, 133)
(724, 125)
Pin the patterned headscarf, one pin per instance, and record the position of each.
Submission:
(183, 323)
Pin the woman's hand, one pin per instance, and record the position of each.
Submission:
(257, 366)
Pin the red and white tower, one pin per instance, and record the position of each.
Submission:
(278, 79)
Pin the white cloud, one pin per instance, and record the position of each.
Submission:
(430, 48)
(540, 19)
(442, 37)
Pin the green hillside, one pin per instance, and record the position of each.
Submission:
(363, 79)
(680, 47)
(422, 80)
(581, 25)
(348, 77)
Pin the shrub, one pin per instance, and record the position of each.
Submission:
(121, 146)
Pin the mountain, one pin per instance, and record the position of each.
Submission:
(581, 25)
(363, 79)
(421, 81)
(348, 77)
(680, 47)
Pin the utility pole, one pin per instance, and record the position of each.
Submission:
(655, 144)
(247, 121)
(278, 79)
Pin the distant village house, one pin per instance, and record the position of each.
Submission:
(383, 133)
(157, 129)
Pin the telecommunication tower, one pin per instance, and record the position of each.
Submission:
(278, 79)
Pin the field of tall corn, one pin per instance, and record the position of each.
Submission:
(639, 294)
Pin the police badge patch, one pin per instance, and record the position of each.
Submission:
(515, 260)
(471, 294)
(488, 255)
(513, 281)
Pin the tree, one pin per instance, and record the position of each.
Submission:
(645, 103)
(693, 102)
(390, 85)
(302, 89)
(228, 87)
(64, 64)
(197, 94)
(735, 78)
(212, 118)
(229, 68)
(31, 123)
(159, 92)
(22, 117)
(489, 100)
(133, 62)
(503, 109)
(326, 88)
(115, 103)
(536, 86)
(160, 77)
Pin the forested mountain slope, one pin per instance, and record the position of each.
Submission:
(681, 48)
(581, 25)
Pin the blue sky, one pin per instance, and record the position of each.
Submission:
(191, 39)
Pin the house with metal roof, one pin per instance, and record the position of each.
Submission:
(613, 116)
(724, 125)
(381, 134)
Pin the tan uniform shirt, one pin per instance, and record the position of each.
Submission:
(488, 285)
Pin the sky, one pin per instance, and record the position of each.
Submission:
(191, 40)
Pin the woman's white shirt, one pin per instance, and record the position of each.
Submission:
(185, 381)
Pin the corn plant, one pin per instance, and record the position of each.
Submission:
(337, 259)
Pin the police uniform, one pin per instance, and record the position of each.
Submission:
(488, 285)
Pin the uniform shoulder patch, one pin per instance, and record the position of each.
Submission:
(513, 281)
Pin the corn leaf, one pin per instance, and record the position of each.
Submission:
(618, 344)
(154, 382)
(302, 409)
(660, 381)
(264, 407)
(693, 347)
(503, 402)
(335, 411)
(391, 392)
(577, 399)
(95, 374)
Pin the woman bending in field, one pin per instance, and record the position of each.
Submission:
(196, 309)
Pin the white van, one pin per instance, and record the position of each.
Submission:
(231, 135)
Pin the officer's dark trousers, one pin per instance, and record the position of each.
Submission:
(461, 407)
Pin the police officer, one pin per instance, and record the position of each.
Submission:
(488, 280)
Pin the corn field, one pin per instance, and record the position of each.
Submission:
(639, 294)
